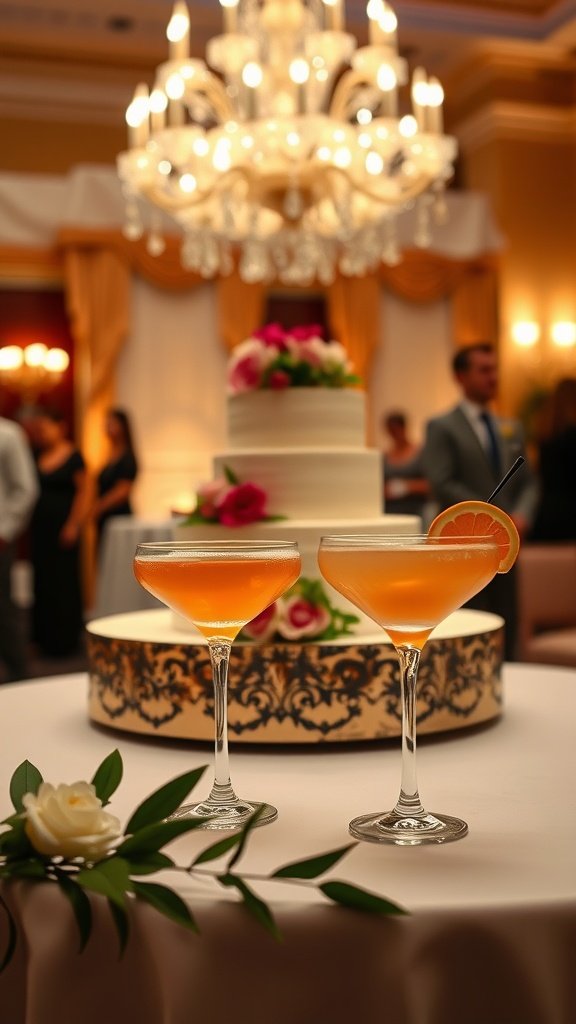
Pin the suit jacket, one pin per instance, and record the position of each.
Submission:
(459, 469)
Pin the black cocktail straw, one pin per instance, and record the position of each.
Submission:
(519, 462)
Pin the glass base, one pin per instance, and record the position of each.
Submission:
(408, 830)
(225, 815)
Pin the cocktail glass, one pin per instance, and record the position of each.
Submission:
(219, 587)
(408, 584)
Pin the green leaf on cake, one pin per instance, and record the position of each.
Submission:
(230, 476)
(26, 779)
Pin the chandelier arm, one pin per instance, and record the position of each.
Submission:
(419, 186)
(170, 203)
(343, 92)
(214, 91)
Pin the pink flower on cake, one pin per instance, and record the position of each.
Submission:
(247, 365)
(302, 618)
(208, 496)
(278, 380)
(272, 334)
(264, 625)
(241, 504)
(276, 358)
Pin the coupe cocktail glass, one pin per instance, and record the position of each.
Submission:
(219, 587)
(408, 584)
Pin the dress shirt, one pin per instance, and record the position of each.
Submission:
(18, 481)
(473, 414)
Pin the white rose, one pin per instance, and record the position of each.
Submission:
(68, 821)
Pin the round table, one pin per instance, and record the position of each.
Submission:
(492, 923)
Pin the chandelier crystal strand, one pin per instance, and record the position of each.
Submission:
(289, 147)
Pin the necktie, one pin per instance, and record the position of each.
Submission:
(493, 451)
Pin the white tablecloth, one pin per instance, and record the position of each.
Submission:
(116, 589)
(492, 931)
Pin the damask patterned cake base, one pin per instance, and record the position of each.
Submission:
(148, 677)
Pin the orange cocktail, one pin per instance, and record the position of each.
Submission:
(219, 586)
(410, 589)
(408, 585)
(218, 595)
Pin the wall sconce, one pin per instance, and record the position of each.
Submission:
(525, 333)
(32, 369)
(563, 333)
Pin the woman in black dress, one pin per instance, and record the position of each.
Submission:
(116, 479)
(57, 614)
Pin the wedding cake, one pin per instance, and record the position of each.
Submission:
(296, 467)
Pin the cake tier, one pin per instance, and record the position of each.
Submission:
(313, 484)
(307, 534)
(297, 418)
(146, 678)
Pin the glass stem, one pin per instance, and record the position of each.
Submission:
(222, 792)
(409, 799)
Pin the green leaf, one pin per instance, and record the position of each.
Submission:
(15, 844)
(25, 868)
(120, 918)
(153, 837)
(164, 801)
(244, 833)
(313, 866)
(167, 902)
(110, 878)
(12, 936)
(348, 895)
(218, 849)
(108, 776)
(26, 779)
(230, 476)
(149, 863)
(259, 910)
(80, 905)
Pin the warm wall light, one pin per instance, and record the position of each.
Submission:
(525, 333)
(563, 333)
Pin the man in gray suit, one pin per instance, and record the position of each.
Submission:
(467, 452)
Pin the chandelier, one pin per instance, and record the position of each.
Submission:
(289, 149)
(32, 369)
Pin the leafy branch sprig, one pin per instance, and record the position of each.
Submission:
(117, 874)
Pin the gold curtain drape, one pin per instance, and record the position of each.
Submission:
(425, 277)
(353, 310)
(241, 309)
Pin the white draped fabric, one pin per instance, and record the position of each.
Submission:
(492, 927)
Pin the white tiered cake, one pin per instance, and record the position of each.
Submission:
(305, 447)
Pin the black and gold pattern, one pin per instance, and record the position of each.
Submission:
(292, 693)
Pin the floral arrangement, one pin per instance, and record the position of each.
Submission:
(62, 834)
(304, 613)
(299, 357)
(229, 502)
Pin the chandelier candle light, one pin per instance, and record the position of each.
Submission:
(288, 145)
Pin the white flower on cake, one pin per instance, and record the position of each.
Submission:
(298, 357)
(69, 821)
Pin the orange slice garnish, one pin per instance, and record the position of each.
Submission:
(480, 519)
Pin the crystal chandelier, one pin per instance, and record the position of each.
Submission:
(32, 369)
(288, 148)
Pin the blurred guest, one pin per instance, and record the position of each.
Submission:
(116, 479)
(556, 512)
(18, 492)
(467, 452)
(57, 615)
(405, 485)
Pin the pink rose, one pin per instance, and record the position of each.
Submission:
(271, 334)
(245, 375)
(264, 625)
(208, 495)
(241, 504)
(306, 331)
(278, 380)
(302, 618)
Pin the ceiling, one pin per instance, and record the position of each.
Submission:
(73, 58)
